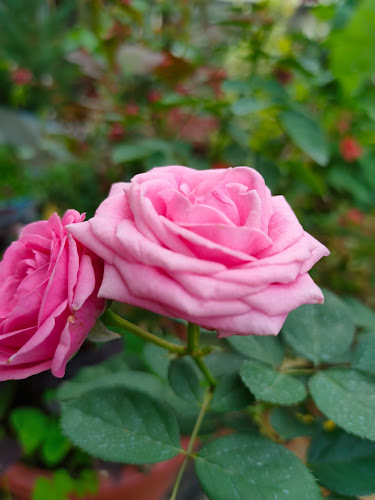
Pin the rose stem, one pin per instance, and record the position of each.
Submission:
(193, 338)
(205, 404)
(111, 319)
(193, 350)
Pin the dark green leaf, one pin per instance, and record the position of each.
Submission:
(364, 354)
(307, 134)
(223, 363)
(184, 380)
(121, 425)
(270, 385)
(343, 463)
(290, 425)
(321, 333)
(362, 315)
(244, 467)
(156, 358)
(348, 398)
(230, 394)
(267, 348)
(137, 380)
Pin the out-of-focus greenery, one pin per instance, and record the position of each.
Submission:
(97, 91)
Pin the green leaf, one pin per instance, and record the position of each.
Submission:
(352, 48)
(131, 379)
(248, 105)
(130, 152)
(307, 134)
(230, 395)
(156, 358)
(184, 380)
(56, 446)
(223, 363)
(364, 354)
(58, 487)
(121, 425)
(267, 349)
(31, 426)
(348, 398)
(270, 385)
(321, 333)
(243, 467)
(289, 425)
(343, 463)
(362, 315)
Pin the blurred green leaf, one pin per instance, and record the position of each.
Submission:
(129, 152)
(343, 463)
(353, 47)
(223, 363)
(31, 427)
(362, 315)
(307, 134)
(248, 105)
(56, 446)
(289, 425)
(156, 358)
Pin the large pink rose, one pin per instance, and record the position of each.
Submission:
(212, 247)
(48, 298)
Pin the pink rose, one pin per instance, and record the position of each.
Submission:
(212, 247)
(48, 298)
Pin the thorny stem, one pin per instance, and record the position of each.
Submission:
(205, 404)
(111, 319)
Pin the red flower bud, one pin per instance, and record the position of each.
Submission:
(21, 76)
(350, 149)
(132, 109)
(116, 132)
(154, 96)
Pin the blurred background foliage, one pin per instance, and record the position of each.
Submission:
(95, 91)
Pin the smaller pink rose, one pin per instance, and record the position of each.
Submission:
(48, 298)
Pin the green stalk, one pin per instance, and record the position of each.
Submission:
(196, 353)
(206, 372)
(193, 338)
(111, 319)
(206, 402)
